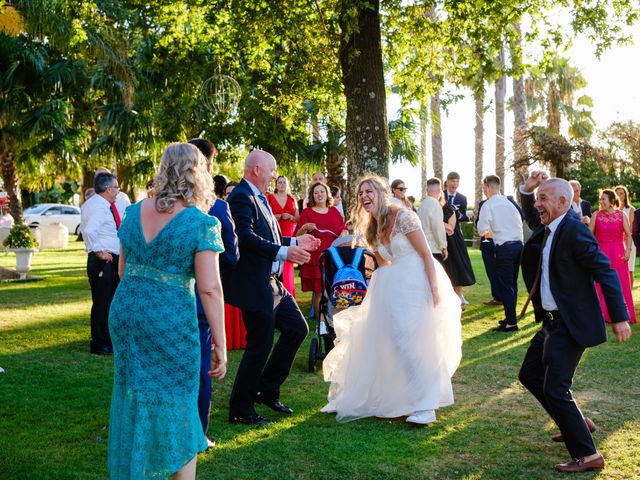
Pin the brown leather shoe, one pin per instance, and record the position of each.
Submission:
(492, 303)
(579, 465)
(590, 425)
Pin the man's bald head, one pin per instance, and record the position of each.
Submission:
(258, 158)
(260, 169)
(561, 189)
(553, 199)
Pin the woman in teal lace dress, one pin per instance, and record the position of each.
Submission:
(167, 242)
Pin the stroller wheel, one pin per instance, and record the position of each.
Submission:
(313, 352)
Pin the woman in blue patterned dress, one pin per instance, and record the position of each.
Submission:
(167, 242)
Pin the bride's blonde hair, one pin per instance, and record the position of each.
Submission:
(183, 176)
(371, 227)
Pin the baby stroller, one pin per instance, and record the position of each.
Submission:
(322, 342)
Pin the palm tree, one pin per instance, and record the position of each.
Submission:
(500, 94)
(478, 96)
(424, 117)
(40, 73)
(34, 115)
(519, 104)
(436, 135)
(550, 93)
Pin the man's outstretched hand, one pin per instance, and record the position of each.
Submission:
(308, 242)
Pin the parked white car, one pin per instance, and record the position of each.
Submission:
(48, 213)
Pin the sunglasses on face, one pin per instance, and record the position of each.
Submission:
(402, 189)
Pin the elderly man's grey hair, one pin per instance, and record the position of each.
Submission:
(561, 188)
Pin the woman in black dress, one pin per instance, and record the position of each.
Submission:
(458, 264)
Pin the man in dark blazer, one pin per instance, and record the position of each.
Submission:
(560, 263)
(226, 261)
(581, 207)
(254, 286)
(455, 198)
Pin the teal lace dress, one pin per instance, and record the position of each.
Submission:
(154, 428)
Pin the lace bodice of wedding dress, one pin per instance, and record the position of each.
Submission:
(399, 245)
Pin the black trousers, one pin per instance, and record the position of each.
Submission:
(547, 372)
(259, 371)
(103, 279)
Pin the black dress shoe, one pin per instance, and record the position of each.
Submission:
(250, 420)
(101, 351)
(276, 406)
(507, 327)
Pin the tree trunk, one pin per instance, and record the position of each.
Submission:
(520, 147)
(436, 136)
(88, 175)
(501, 92)
(553, 110)
(367, 134)
(123, 173)
(10, 179)
(479, 132)
(423, 150)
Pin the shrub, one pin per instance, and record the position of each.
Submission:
(20, 236)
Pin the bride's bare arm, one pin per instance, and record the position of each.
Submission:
(420, 245)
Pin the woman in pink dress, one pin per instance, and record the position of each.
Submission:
(284, 207)
(322, 220)
(611, 228)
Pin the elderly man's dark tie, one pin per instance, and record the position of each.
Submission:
(536, 281)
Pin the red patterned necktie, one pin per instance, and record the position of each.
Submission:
(116, 215)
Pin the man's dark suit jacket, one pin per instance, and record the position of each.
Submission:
(576, 263)
(461, 206)
(249, 283)
(586, 208)
(230, 256)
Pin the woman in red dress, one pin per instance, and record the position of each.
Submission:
(322, 220)
(284, 207)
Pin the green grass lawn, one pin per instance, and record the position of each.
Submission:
(54, 403)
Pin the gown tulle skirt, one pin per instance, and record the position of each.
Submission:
(395, 353)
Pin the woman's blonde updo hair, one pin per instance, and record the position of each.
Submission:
(183, 176)
(371, 227)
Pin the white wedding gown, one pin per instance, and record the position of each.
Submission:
(395, 353)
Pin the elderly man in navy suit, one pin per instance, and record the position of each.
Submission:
(560, 263)
(255, 287)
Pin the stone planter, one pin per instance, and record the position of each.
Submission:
(23, 260)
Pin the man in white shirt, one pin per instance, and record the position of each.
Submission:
(501, 219)
(100, 221)
(430, 214)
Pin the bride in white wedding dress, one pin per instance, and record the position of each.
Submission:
(396, 352)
